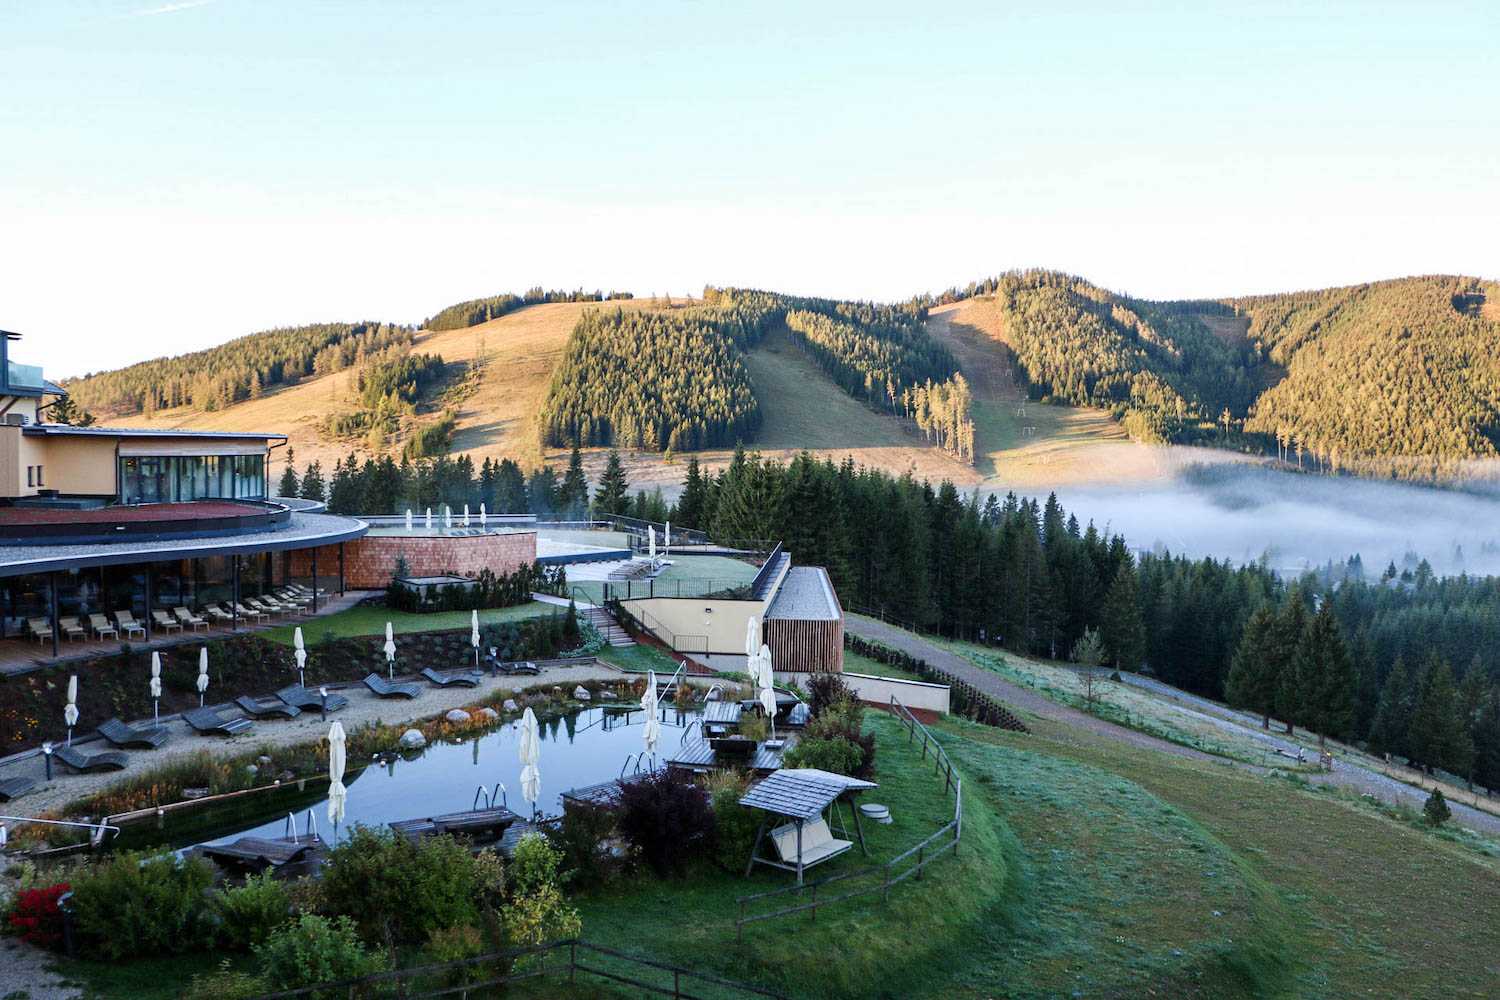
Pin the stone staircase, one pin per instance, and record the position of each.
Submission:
(605, 622)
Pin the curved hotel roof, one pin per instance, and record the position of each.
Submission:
(172, 531)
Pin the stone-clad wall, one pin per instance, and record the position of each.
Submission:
(370, 562)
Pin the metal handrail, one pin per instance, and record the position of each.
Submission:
(96, 830)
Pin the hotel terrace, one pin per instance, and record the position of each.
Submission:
(113, 535)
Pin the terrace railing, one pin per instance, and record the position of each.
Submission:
(573, 959)
(873, 879)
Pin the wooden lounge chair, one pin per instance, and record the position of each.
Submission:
(519, 667)
(143, 737)
(452, 678)
(14, 788)
(268, 708)
(308, 699)
(385, 689)
(72, 629)
(206, 720)
(818, 843)
(188, 619)
(40, 629)
(102, 627)
(108, 760)
(128, 624)
(166, 622)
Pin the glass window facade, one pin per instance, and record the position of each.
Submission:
(177, 478)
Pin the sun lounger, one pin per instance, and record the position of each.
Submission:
(289, 596)
(452, 678)
(308, 699)
(250, 613)
(128, 624)
(520, 667)
(818, 843)
(188, 619)
(143, 737)
(218, 613)
(166, 622)
(206, 720)
(385, 689)
(269, 606)
(72, 629)
(108, 760)
(40, 629)
(102, 627)
(269, 708)
(14, 788)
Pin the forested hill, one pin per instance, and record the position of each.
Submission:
(1399, 377)
(1396, 378)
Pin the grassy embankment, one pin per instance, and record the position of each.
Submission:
(360, 621)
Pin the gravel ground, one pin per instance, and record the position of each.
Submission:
(363, 707)
(25, 972)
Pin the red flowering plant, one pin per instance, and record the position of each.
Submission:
(36, 917)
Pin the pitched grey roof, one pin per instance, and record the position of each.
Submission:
(800, 793)
(806, 594)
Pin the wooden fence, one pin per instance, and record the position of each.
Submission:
(572, 959)
(879, 878)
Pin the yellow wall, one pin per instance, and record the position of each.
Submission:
(86, 465)
(684, 623)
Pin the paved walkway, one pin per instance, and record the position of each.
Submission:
(1347, 774)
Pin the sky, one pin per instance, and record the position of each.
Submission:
(173, 174)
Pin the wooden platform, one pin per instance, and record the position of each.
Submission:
(482, 824)
(701, 756)
(257, 854)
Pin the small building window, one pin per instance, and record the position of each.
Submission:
(39, 476)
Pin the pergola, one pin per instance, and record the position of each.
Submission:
(801, 795)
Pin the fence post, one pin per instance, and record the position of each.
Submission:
(572, 960)
(920, 852)
(676, 985)
(815, 902)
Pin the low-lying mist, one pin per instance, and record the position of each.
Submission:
(1296, 522)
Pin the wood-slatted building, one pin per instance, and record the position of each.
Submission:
(804, 624)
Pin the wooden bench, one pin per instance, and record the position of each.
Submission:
(818, 842)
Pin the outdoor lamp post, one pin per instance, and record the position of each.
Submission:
(47, 756)
(323, 700)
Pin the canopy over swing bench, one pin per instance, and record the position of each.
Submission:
(800, 796)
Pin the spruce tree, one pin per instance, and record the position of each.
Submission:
(1326, 676)
(1120, 620)
(1252, 679)
(1291, 623)
(692, 504)
(541, 491)
(289, 486)
(573, 495)
(1388, 733)
(1438, 736)
(613, 495)
(312, 482)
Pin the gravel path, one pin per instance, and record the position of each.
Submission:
(25, 972)
(1013, 695)
(1347, 774)
(363, 707)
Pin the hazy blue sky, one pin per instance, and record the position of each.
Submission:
(173, 174)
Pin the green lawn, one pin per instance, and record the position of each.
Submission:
(856, 663)
(858, 948)
(371, 621)
(639, 659)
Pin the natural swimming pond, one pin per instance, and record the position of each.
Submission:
(582, 748)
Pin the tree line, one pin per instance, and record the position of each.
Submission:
(476, 311)
(235, 371)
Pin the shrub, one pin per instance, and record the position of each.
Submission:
(248, 914)
(825, 689)
(734, 825)
(666, 818)
(536, 911)
(454, 944)
(755, 726)
(225, 984)
(34, 916)
(836, 754)
(398, 890)
(1436, 810)
(137, 905)
(580, 839)
(312, 950)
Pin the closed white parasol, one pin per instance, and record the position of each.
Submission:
(466, 515)
(530, 752)
(299, 650)
(651, 542)
(653, 723)
(156, 688)
(752, 647)
(70, 711)
(408, 519)
(482, 516)
(474, 636)
(337, 793)
(202, 674)
(766, 681)
(390, 651)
